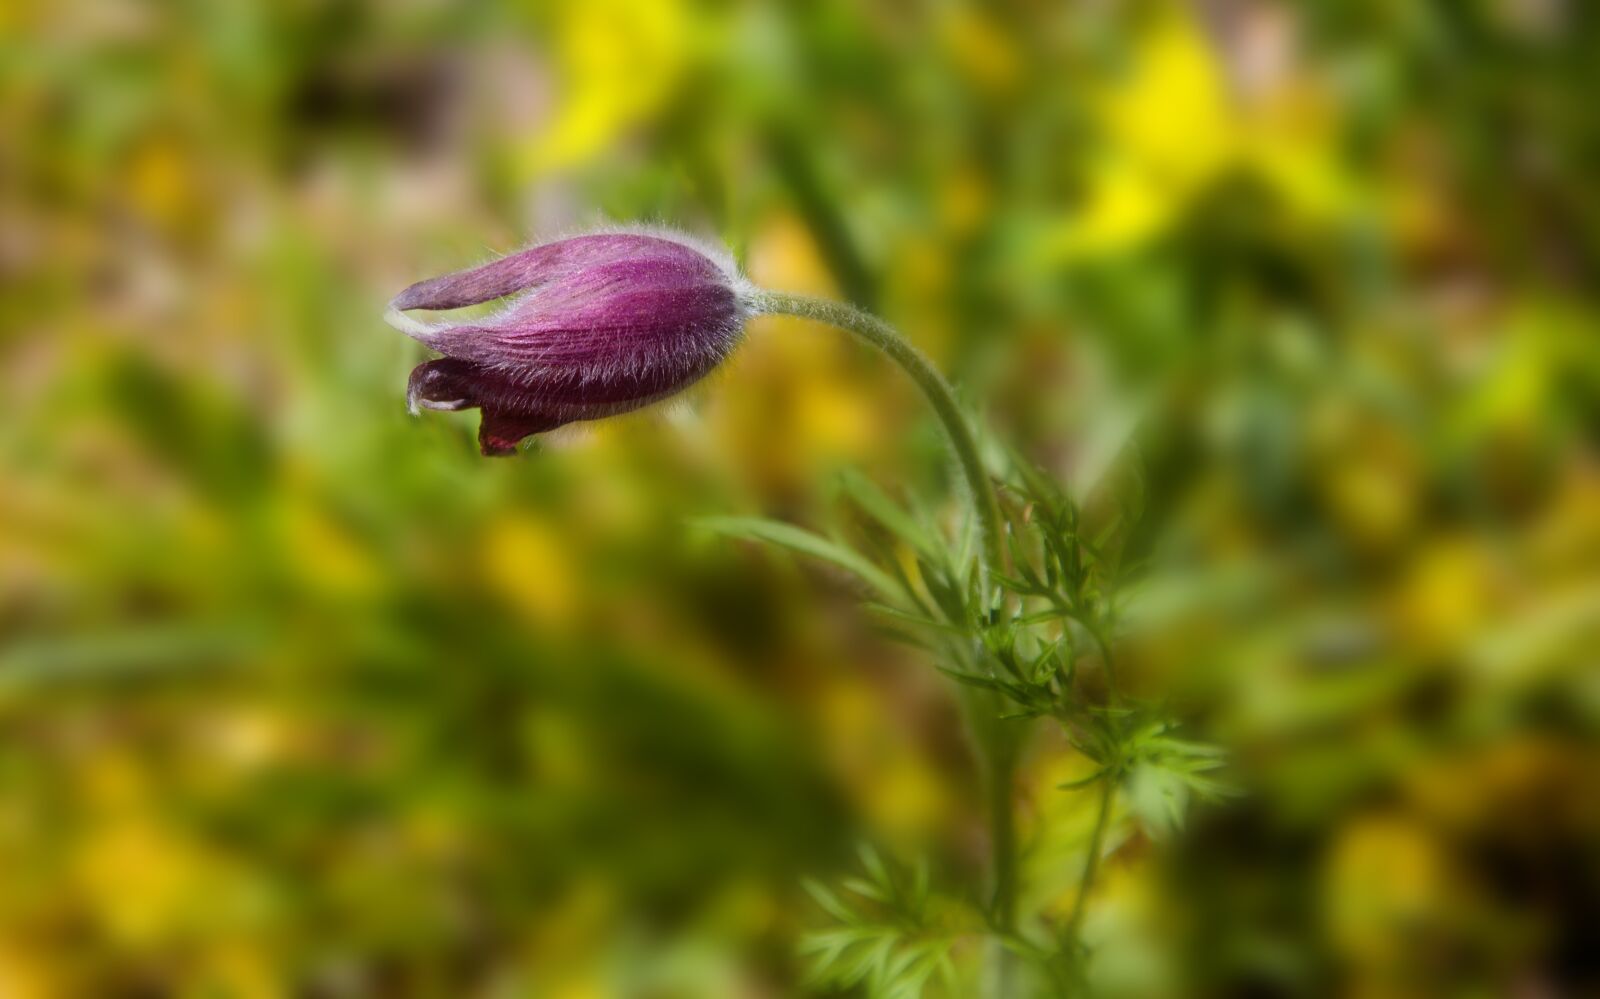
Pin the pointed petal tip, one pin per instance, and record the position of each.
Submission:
(499, 433)
(496, 449)
(441, 384)
(411, 327)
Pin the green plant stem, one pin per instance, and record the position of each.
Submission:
(997, 748)
(1002, 766)
(1091, 863)
(884, 337)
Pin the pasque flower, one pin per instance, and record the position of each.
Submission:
(599, 324)
(612, 321)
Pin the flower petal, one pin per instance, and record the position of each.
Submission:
(445, 384)
(597, 325)
(518, 272)
(502, 430)
(631, 315)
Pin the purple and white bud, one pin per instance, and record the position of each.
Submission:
(599, 325)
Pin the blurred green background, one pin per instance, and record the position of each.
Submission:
(301, 697)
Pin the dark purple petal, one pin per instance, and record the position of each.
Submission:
(509, 413)
(445, 384)
(500, 431)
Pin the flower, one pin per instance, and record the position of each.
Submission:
(601, 324)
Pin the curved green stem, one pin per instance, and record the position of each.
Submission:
(883, 336)
(997, 750)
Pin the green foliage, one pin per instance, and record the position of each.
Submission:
(1036, 637)
(805, 542)
(892, 934)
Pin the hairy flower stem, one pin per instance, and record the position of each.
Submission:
(883, 336)
(997, 743)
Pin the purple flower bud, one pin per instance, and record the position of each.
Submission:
(601, 324)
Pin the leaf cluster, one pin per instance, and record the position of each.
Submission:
(1042, 634)
(892, 935)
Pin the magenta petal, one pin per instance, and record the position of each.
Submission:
(528, 269)
(493, 280)
(628, 328)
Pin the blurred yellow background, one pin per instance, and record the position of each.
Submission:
(301, 697)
